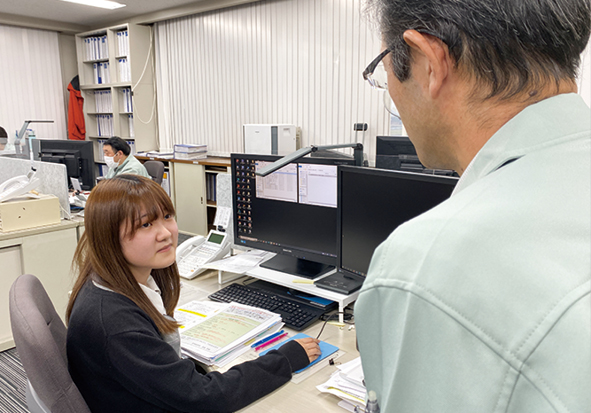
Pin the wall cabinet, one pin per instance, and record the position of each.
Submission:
(212, 172)
(193, 191)
(189, 196)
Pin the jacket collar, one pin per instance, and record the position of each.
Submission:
(125, 162)
(559, 118)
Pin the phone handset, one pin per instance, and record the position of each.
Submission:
(19, 185)
(192, 254)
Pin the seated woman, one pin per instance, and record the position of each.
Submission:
(123, 348)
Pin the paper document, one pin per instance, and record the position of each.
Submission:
(191, 293)
(226, 331)
(347, 383)
(245, 347)
(222, 216)
(353, 372)
(195, 312)
(241, 263)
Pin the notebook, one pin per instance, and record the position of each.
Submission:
(325, 348)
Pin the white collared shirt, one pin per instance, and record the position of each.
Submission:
(154, 294)
(151, 290)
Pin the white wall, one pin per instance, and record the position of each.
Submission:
(31, 81)
(281, 61)
(285, 61)
(69, 67)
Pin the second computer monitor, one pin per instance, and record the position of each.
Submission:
(374, 202)
(292, 212)
(398, 153)
(78, 156)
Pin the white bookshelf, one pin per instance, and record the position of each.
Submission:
(113, 116)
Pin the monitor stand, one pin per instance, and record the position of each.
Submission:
(297, 266)
(341, 283)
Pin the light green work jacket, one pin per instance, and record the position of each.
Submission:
(129, 166)
(483, 303)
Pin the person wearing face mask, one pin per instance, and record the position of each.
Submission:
(119, 159)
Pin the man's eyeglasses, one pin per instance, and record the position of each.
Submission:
(375, 73)
(376, 76)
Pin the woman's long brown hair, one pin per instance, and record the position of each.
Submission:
(112, 204)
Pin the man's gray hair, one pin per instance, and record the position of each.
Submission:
(509, 46)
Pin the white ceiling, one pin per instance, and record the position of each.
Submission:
(64, 12)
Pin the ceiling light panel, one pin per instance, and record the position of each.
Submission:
(103, 4)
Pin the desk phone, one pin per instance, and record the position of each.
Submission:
(199, 250)
(19, 186)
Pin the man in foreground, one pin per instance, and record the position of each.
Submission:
(483, 303)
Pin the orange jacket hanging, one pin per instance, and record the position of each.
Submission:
(76, 126)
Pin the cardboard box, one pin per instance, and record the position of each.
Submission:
(24, 213)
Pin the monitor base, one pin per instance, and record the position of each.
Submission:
(341, 283)
(297, 266)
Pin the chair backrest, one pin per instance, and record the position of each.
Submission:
(40, 337)
(155, 170)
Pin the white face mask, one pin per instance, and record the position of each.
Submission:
(110, 161)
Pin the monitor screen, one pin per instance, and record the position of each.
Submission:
(374, 202)
(78, 156)
(398, 153)
(292, 212)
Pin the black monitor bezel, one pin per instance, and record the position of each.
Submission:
(376, 172)
(86, 150)
(294, 251)
(382, 140)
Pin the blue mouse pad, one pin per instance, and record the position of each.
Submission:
(325, 348)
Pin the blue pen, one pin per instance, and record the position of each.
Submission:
(271, 337)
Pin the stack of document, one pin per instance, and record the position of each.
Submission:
(103, 102)
(347, 383)
(124, 69)
(190, 151)
(123, 42)
(162, 154)
(126, 100)
(104, 125)
(96, 48)
(101, 73)
(217, 333)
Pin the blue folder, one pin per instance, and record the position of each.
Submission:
(325, 348)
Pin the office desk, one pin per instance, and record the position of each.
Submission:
(302, 397)
(45, 252)
(287, 280)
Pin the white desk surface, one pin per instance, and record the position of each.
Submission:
(302, 397)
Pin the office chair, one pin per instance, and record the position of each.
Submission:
(40, 337)
(155, 170)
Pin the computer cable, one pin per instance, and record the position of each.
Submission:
(347, 318)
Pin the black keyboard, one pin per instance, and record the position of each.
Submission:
(295, 315)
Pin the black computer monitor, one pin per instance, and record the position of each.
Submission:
(372, 204)
(78, 156)
(292, 212)
(398, 153)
